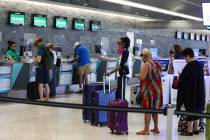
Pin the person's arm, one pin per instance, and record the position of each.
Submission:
(10, 58)
(124, 59)
(143, 72)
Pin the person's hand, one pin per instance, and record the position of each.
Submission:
(107, 74)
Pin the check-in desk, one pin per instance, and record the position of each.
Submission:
(5, 77)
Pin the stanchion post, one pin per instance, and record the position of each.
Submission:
(170, 120)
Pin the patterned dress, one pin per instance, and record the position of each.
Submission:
(151, 87)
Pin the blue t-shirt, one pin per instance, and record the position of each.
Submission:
(83, 54)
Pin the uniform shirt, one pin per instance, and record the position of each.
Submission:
(13, 53)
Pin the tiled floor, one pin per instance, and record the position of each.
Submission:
(27, 122)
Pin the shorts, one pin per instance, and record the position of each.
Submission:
(84, 70)
(42, 76)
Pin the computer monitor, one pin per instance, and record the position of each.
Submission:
(178, 65)
(164, 64)
(136, 66)
(98, 49)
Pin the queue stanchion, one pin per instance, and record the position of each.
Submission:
(170, 122)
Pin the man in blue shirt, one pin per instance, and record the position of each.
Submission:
(83, 58)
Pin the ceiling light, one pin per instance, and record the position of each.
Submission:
(154, 9)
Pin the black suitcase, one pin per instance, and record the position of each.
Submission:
(32, 91)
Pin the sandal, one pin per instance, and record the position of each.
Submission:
(153, 130)
(142, 133)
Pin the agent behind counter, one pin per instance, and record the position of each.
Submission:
(12, 53)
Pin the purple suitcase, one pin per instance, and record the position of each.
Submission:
(118, 121)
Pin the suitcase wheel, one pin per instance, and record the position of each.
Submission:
(126, 133)
(84, 121)
(131, 102)
(112, 131)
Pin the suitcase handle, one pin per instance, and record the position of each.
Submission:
(122, 90)
(104, 83)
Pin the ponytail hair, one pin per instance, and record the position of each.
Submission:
(126, 41)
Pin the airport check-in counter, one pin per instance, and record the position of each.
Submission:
(5, 77)
(92, 77)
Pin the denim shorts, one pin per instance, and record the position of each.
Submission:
(42, 76)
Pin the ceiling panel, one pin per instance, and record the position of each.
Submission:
(189, 7)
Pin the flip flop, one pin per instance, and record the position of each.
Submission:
(142, 133)
(153, 130)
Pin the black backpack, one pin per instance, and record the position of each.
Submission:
(48, 60)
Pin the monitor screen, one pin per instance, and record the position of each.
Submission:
(202, 52)
(164, 64)
(95, 25)
(196, 52)
(206, 13)
(192, 36)
(78, 24)
(61, 22)
(197, 37)
(17, 18)
(179, 35)
(154, 52)
(98, 49)
(186, 35)
(40, 20)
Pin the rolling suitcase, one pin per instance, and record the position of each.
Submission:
(102, 98)
(88, 93)
(118, 121)
(32, 91)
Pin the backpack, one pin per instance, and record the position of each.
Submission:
(48, 60)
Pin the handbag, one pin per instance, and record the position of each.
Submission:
(175, 83)
(139, 98)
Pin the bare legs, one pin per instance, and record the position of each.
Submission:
(147, 119)
(41, 91)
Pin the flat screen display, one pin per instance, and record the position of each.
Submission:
(203, 37)
(95, 25)
(179, 35)
(186, 35)
(206, 13)
(79, 24)
(197, 37)
(196, 52)
(40, 20)
(61, 22)
(17, 18)
(192, 36)
(154, 52)
(164, 64)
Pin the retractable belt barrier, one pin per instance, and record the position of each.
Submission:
(80, 106)
(168, 111)
(102, 108)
